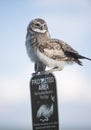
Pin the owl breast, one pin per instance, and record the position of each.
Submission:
(32, 43)
(31, 52)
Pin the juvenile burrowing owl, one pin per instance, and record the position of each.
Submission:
(45, 51)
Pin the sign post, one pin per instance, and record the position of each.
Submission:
(44, 102)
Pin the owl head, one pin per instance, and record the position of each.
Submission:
(38, 25)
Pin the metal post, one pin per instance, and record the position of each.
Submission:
(44, 102)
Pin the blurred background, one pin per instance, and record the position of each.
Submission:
(68, 20)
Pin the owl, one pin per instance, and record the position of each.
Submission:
(46, 51)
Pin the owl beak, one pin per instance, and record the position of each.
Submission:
(42, 28)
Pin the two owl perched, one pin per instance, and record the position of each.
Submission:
(45, 51)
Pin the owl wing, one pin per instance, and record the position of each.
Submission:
(60, 51)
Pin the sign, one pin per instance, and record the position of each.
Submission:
(44, 102)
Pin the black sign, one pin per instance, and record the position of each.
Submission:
(44, 102)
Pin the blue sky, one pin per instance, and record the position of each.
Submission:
(68, 20)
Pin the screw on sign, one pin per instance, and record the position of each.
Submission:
(44, 102)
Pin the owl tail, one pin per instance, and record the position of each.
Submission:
(77, 57)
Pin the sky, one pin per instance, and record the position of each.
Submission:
(68, 20)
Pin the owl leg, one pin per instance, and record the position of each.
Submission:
(39, 67)
(54, 69)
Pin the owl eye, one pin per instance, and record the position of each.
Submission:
(45, 25)
(38, 25)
